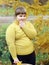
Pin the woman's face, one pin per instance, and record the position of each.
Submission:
(21, 17)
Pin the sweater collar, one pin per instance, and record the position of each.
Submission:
(16, 22)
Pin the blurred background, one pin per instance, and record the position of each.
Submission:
(38, 14)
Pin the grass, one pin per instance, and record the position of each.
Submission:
(6, 11)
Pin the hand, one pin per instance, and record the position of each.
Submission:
(21, 23)
(16, 60)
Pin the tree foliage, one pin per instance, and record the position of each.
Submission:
(35, 8)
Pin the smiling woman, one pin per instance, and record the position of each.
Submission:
(19, 37)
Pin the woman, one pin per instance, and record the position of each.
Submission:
(19, 37)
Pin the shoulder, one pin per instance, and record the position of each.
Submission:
(29, 23)
(11, 27)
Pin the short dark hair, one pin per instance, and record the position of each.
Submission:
(20, 10)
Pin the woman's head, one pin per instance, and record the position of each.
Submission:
(20, 13)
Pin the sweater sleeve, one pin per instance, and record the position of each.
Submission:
(10, 39)
(29, 30)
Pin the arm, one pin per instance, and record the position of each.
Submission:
(29, 30)
(10, 39)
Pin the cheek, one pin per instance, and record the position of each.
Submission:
(18, 18)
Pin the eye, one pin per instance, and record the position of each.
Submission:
(24, 15)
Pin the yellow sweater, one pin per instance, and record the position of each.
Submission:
(19, 40)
